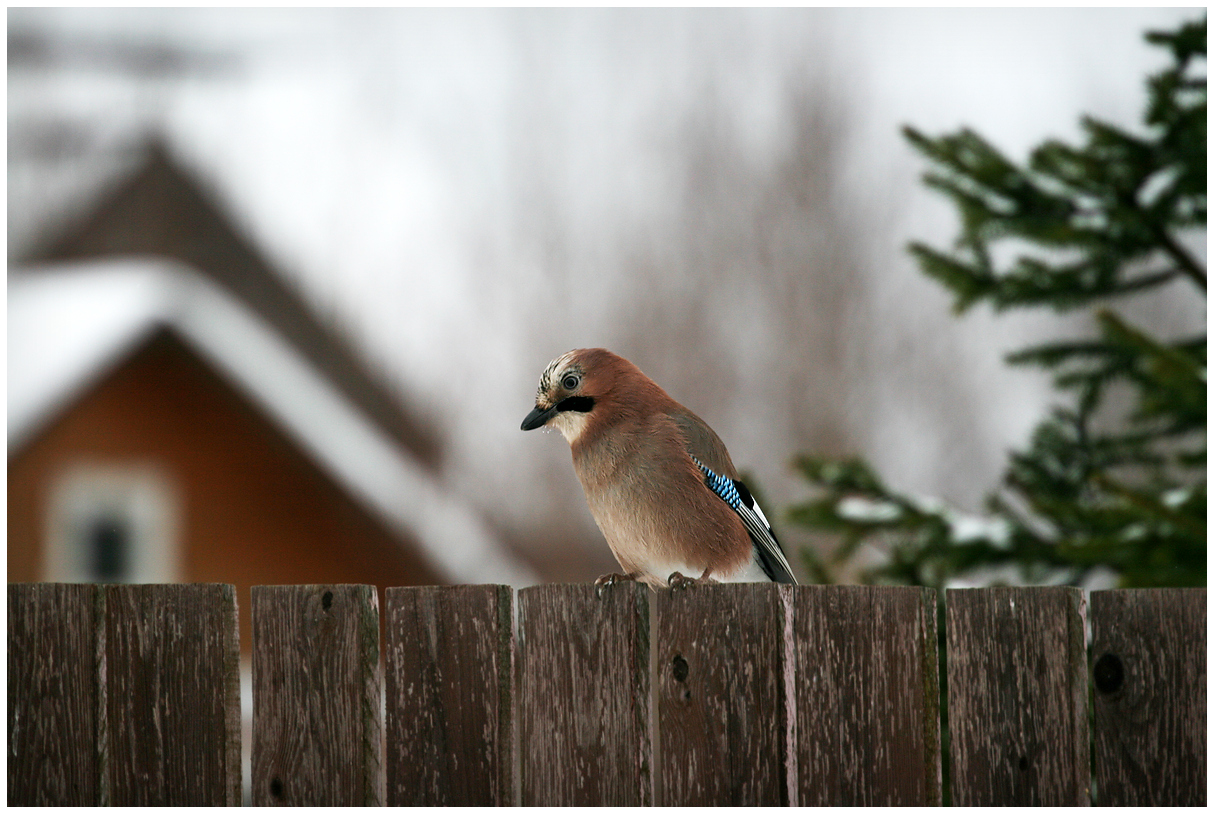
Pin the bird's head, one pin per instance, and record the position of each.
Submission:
(592, 387)
(567, 392)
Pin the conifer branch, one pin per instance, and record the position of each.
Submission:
(1187, 264)
(1115, 483)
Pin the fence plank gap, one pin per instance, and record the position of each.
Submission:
(172, 695)
(723, 716)
(317, 723)
(1149, 673)
(1017, 685)
(868, 704)
(53, 695)
(583, 693)
(448, 666)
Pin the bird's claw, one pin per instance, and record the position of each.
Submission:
(607, 580)
(678, 582)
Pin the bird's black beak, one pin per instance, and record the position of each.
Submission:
(538, 418)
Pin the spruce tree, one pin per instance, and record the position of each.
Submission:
(1114, 477)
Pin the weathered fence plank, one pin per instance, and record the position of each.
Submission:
(583, 693)
(53, 695)
(1017, 686)
(724, 668)
(759, 694)
(172, 696)
(316, 709)
(868, 696)
(448, 673)
(124, 695)
(1149, 672)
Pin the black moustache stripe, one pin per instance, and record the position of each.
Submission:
(577, 404)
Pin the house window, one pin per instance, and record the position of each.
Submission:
(112, 523)
(110, 543)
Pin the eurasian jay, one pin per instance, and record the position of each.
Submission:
(659, 482)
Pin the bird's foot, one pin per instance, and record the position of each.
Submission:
(607, 580)
(678, 582)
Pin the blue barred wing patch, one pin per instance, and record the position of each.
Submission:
(722, 485)
(738, 497)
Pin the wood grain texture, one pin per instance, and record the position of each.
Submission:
(868, 696)
(724, 723)
(448, 676)
(317, 724)
(1149, 673)
(1017, 686)
(584, 695)
(172, 695)
(53, 695)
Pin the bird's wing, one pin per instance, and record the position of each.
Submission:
(739, 498)
(701, 443)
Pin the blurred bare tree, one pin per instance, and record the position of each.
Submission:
(742, 295)
(761, 282)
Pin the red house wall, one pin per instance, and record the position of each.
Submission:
(255, 509)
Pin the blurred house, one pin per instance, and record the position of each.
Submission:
(177, 413)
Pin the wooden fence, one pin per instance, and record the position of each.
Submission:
(740, 694)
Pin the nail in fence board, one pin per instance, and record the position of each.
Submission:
(172, 695)
(1149, 673)
(52, 695)
(724, 726)
(583, 694)
(868, 696)
(316, 705)
(124, 695)
(448, 669)
(1017, 687)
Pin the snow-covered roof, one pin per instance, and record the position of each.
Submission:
(69, 323)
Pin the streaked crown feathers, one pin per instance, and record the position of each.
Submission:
(555, 372)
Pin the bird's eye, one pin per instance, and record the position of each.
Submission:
(569, 382)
